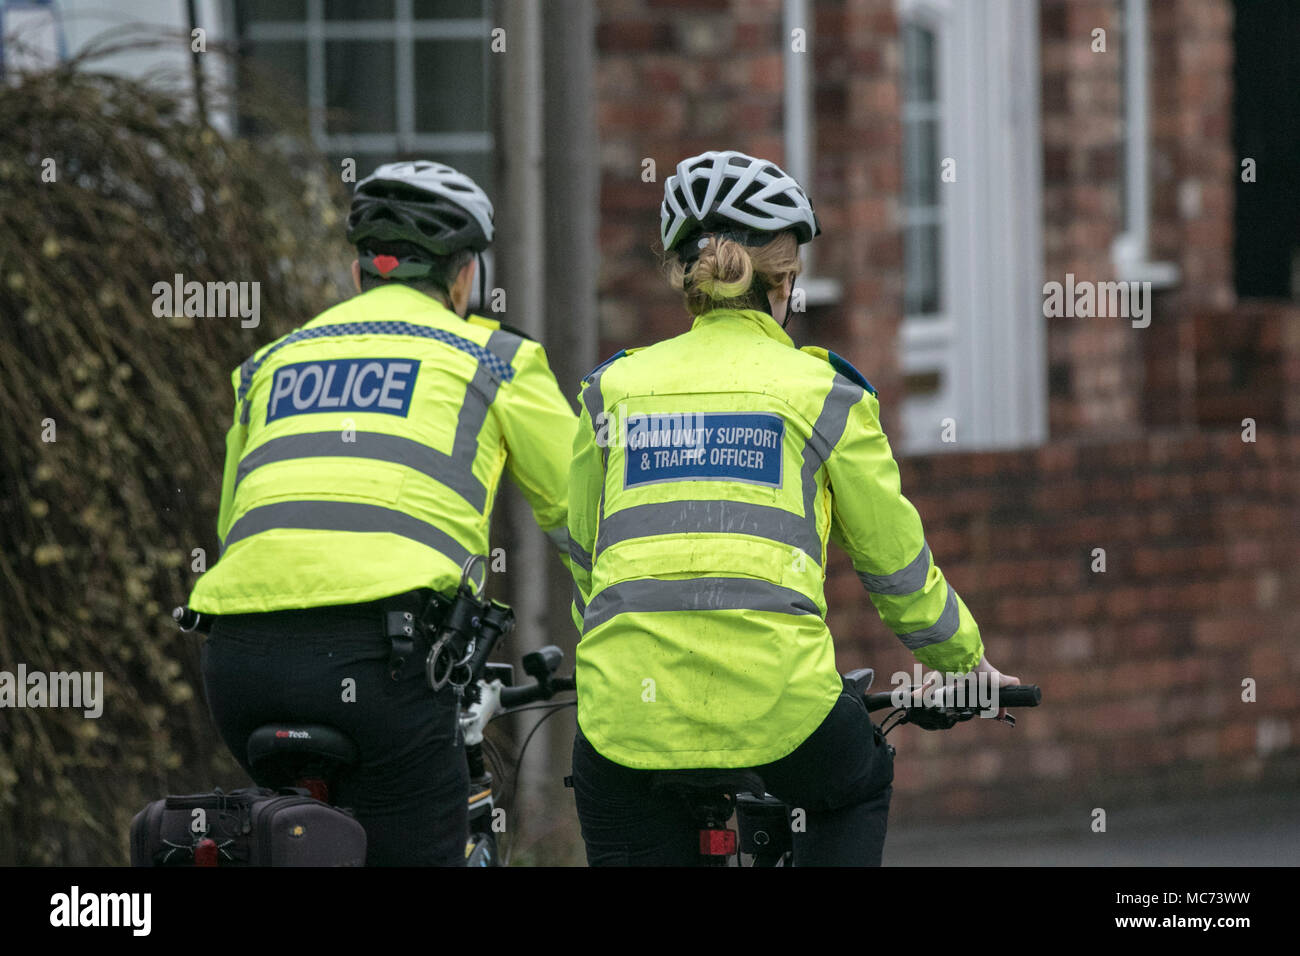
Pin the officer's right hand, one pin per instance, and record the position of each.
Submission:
(999, 679)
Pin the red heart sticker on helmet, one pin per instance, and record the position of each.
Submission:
(385, 264)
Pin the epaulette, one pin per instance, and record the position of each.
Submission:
(841, 365)
(845, 368)
(613, 358)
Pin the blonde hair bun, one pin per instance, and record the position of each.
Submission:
(723, 273)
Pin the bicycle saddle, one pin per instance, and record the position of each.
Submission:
(279, 754)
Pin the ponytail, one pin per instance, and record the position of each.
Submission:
(724, 274)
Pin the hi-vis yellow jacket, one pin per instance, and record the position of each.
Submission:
(366, 452)
(709, 472)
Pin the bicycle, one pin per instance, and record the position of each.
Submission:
(310, 758)
(764, 831)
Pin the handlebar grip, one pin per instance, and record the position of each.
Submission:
(1020, 695)
(878, 701)
(515, 696)
(543, 662)
(1017, 695)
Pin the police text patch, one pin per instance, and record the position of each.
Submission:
(704, 446)
(343, 385)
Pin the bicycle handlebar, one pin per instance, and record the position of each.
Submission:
(1017, 695)
(527, 694)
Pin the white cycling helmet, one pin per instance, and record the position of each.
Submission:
(726, 190)
(424, 203)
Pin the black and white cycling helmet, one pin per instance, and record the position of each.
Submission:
(735, 193)
(426, 204)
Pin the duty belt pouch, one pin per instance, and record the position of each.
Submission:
(405, 621)
(399, 628)
(250, 827)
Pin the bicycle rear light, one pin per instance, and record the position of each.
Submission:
(717, 842)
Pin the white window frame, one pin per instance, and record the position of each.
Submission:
(1131, 250)
(989, 342)
(800, 131)
(402, 31)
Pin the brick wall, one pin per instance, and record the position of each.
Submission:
(1141, 665)
(1090, 361)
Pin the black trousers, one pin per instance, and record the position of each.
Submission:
(841, 777)
(330, 665)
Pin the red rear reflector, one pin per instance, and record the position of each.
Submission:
(717, 842)
(205, 854)
(319, 789)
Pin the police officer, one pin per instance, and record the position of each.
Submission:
(361, 468)
(709, 472)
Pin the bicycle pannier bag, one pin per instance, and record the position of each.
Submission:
(250, 827)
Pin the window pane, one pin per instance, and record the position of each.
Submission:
(923, 383)
(267, 11)
(358, 9)
(450, 86)
(922, 277)
(921, 163)
(918, 65)
(449, 9)
(921, 270)
(359, 86)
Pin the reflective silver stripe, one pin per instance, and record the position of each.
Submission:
(373, 445)
(595, 403)
(826, 434)
(693, 594)
(577, 599)
(480, 393)
(504, 345)
(560, 538)
(940, 630)
(909, 580)
(710, 517)
(344, 516)
(246, 370)
(579, 556)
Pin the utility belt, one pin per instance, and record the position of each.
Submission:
(460, 630)
(454, 633)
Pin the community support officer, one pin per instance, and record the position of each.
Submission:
(361, 468)
(709, 472)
